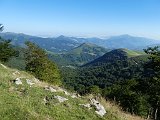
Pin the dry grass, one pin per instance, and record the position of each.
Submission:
(117, 111)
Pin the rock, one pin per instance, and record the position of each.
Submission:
(67, 105)
(100, 110)
(3, 66)
(16, 73)
(62, 90)
(52, 89)
(66, 93)
(86, 105)
(46, 100)
(36, 80)
(29, 82)
(49, 88)
(60, 99)
(78, 95)
(73, 96)
(18, 81)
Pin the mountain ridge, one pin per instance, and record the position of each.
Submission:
(114, 55)
(63, 43)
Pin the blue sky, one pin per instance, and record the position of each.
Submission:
(93, 18)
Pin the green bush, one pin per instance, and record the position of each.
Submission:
(39, 65)
(6, 50)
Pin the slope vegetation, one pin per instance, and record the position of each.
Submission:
(22, 96)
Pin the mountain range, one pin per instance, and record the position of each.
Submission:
(62, 43)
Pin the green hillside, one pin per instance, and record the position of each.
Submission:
(114, 55)
(114, 66)
(131, 53)
(33, 102)
(80, 55)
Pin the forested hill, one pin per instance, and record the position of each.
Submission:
(80, 55)
(114, 56)
(116, 65)
(130, 78)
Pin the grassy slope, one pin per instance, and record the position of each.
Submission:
(131, 53)
(25, 102)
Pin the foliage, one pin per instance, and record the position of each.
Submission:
(1, 27)
(17, 62)
(128, 96)
(119, 76)
(151, 81)
(94, 89)
(6, 50)
(39, 65)
(112, 67)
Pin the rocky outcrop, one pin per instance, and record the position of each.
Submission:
(86, 105)
(49, 88)
(65, 92)
(60, 98)
(17, 81)
(16, 73)
(74, 95)
(29, 82)
(100, 110)
(3, 66)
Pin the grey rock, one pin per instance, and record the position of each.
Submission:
(49, 88)
(86, 105)
(29, 82)
(18, 81)
(100, 110)
(60, 99)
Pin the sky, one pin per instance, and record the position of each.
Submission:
(87, 18)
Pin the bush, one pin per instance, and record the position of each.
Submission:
(39, 65)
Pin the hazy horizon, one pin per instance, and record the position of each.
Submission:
(82, 18)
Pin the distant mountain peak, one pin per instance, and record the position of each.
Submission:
(62, 36)
(87, 44)
(125, 35)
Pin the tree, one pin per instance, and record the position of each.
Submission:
(1, 27)
(6, 50)
(94, 89)
(151, 80)
(39, 65)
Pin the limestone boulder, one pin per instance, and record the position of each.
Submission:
(100, 110)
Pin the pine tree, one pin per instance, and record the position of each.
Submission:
(6, 50)
(39, 65)
(152, 80)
